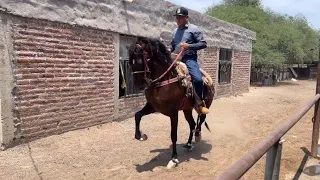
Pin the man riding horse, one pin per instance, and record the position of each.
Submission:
(165, 90)
(190, 38)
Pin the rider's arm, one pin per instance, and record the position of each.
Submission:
(172, 46)
(200, 42)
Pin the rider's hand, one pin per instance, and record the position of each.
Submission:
(184, 45)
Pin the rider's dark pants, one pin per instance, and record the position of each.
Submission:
(196, 76)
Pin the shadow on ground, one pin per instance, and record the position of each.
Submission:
(302, 164)
(184, 155)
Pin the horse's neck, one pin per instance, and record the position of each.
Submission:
(159, 70)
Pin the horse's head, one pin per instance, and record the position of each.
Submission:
(139, 57)
(146, 57)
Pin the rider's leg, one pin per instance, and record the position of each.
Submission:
(196, 76)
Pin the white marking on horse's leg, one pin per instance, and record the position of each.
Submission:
(172, 163)
(143, 137)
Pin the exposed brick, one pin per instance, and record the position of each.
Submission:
(26, 53)
(30, 130)
(59, 56)
(23, 82)
(241, 70)
(49, 126)
(30, 76)
(53, 30)
(60, 83)
(240, 74)
(26, 87)
(53, 51)
(65, 77)
(33, 60)
(38, 70)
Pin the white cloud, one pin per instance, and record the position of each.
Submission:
(309, 8)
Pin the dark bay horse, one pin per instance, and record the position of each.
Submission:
(154, 70)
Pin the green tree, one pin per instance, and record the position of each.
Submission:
(254, 3)
(281, 39)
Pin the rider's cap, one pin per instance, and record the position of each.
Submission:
(181, 11)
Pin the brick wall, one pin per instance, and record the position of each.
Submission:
(240, 80)
(241, 72)
(209, 62)
(224, 90)
(129, 106)
(64, 77)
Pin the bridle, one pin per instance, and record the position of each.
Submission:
(147, 69)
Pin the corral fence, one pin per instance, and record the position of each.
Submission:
(269, 76)
(272, 145)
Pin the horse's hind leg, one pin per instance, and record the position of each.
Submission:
(147, 109)
(197, 134)
(192, 125)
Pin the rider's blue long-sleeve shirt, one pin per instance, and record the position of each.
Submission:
(192, 35)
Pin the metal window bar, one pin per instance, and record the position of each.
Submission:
(225, 71)
(225, 64)
(130, 88)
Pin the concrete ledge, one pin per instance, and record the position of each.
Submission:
(140, 18)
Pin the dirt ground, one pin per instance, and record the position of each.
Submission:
(109, 151)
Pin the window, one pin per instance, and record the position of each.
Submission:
(225, 63)
(126, 87)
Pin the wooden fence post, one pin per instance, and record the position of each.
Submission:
(316, 120)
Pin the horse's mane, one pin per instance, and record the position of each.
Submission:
(158, 50)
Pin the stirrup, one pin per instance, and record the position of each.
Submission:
(201, 108)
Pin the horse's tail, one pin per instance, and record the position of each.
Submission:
(205, 123)
(207, 126)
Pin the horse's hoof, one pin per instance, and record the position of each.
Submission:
(198, 138)
(189, 147)
(143, 137)
(172, 163)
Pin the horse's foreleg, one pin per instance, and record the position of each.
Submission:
(192, 125)
(147, 109)
(174, 128)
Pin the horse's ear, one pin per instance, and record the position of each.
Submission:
(143, 40)
(139, 46)
(139, 43)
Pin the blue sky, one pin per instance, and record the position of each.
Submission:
(291, 7)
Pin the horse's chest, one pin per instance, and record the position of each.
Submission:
(163, 100)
